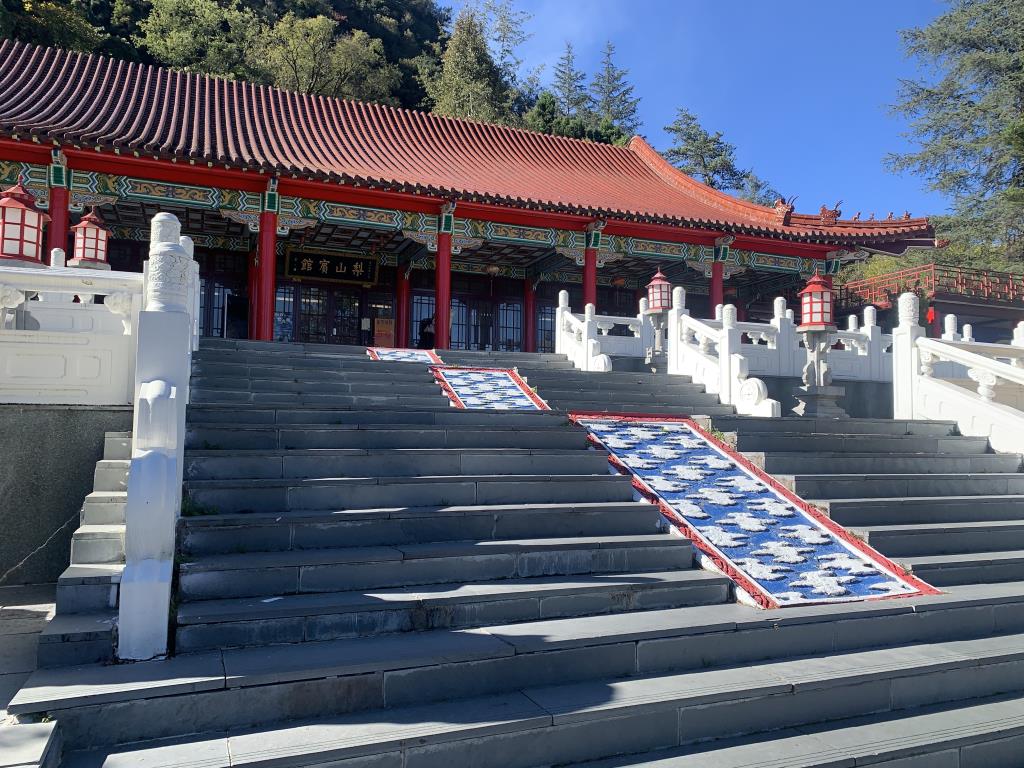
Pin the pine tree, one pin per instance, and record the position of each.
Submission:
(613, 95)
(705, 156)
(570, 85)
(975, 55)
(544, 115)
(469, 83)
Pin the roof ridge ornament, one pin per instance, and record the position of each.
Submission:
(783, 210)
(829, 216)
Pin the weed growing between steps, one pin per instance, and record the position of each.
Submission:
(193, 508)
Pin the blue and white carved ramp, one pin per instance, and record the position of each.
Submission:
(492, 389)
(393, 355)
(778, 550)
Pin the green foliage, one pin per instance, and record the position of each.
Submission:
(705, 156)
(63, 24)
(612, 94)
(307, 55)
(202, 36)
(469, 83)
(974, 59)
(757, 190)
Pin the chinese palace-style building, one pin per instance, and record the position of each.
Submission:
(322, 220)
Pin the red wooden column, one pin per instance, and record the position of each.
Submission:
(593, 244)
(266, 274)
(57, 230)
(717, 288)
(443, 277)
(529, 316)
(402, 308)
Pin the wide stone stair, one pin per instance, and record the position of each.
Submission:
(369, 578)
(942, 505)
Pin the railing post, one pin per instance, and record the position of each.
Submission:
(728, 343)
(163, 342)
(674, 348)
(905, 356)
(563, 307)
(949, 323)
(873, 343)
(787, 345)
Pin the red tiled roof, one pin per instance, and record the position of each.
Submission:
(89, 100)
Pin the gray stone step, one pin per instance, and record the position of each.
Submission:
(328, 616)
(117, 445)
(843, 443)
(77, 638)
(923, 509)
(892, 485)
(111, 475)
(985, 734)
(251, 532)
(88, 588)
(565, 722)
(410, 462)
(97, 544)
(971, 568)
(922, 463)
(798, 424)
(355, 386)
(355, 568)
(944, 538)
(240, 688)
(564, 393)
(374, 492)
(215, 373)
(383, 436)
(599, 383)
(438, 414)
(104, 508)
(30, 745)
(307, 399)
(581, 405)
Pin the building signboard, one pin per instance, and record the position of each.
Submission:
(334, 266)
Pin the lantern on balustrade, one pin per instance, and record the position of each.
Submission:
(21, 226)
(659, 294)
(91, 239)
(816, 306)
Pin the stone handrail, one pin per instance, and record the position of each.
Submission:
(577, 337)
(957, 380)
(711, 356)
(165, 340)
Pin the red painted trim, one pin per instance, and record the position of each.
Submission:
(512, 373)
(716, 289)
(372, 198)
(755, 591)
(24, 152)
(589, 277)
(162, 170)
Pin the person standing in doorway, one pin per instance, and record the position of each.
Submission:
(426, 333)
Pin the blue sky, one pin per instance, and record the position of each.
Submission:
(801, 88)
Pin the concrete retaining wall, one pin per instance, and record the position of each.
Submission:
(48, 455)
(864, 399)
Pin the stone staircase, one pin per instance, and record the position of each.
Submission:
(369, 578)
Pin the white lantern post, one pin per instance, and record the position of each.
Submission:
(659, 302)
(817, 396)
(91, 240)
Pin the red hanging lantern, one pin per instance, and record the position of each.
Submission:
(91, 239)
(21, 225)
(659, 294)
(816, 305)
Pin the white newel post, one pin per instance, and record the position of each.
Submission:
(905, 356)
(675, 331)
(163, 351)
(787, 343)
(728, 344)
(949, 328)
(560, 313)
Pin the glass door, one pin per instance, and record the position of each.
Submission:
(345, 317)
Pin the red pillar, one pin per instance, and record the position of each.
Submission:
(590, 277)
(529, 316)
(717, 290)
(266, 276)
(443, 291)
(402, 307)
(57, 231)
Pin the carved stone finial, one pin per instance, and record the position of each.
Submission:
(190, 248)
(949, 326)
(1018, 334)
(851, 323)
(165, 228)
(563, 299)
(678, 297)
(729, 316)
(909, 308)
(870, 316)
(779, 307)
(58, 258)
(10, 297)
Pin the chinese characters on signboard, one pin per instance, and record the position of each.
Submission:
(338, 267)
